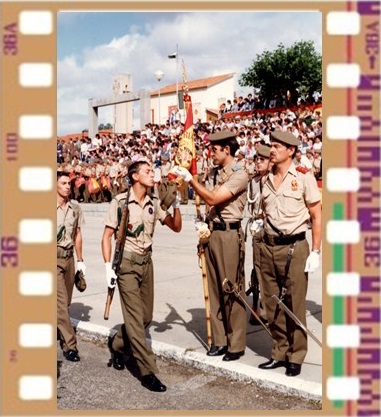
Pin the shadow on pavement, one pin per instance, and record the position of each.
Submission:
(80, 311)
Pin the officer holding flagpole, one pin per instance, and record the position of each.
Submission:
(225, 250)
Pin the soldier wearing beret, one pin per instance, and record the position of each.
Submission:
(262, 163)
(225, 250)
(290, 199)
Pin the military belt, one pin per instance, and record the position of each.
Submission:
(283, 240)
(139, 259)
(64, 253)
(224, 226)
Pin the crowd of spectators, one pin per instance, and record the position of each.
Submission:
(98, 166)
(249, 103)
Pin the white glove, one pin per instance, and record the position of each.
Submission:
(110, 275)
(176, 203)
(183, 173)
(256, 226)
(313, 262)
(203, 231)
(81, 266)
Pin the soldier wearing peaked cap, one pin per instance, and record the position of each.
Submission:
(225, 249)
(289, 200)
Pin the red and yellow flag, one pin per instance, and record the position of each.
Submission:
(186, 154)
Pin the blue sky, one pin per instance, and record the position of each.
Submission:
(94, 46)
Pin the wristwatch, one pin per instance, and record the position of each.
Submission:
(316, 250)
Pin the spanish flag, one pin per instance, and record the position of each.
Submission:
(186, 154)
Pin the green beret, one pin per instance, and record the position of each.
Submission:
(284, 137)
(263, 151)
(220, 136)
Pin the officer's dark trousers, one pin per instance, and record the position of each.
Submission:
(65, 285)
(227, 312)
(135, 283)
(290, 342)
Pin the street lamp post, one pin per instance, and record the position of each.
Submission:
(159, 75)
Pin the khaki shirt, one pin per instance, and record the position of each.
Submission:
(287, 207)
(235, 179)
(72, 218)
(141, 222)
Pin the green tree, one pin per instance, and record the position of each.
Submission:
(108, 126)
(284, 70)
(101, 126)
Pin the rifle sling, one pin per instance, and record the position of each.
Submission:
(122, 231)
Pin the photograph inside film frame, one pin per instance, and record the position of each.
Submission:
(210, 125)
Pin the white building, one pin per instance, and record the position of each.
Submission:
(122, 113)
(206, 94)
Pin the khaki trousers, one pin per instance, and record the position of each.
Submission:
(135, 283)
(290, 342)
(65, 285)
(224, 256)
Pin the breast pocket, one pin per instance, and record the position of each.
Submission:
(293, 201)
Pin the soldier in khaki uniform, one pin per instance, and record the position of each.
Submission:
(135, 279)
(290, 199)
(225, 250)
(262, 163)
(69, 237)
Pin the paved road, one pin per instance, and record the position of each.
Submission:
(178, 330)
(92, 384)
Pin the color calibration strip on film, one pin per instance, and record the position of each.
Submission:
(351, 201)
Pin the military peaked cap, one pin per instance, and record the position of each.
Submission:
(263, 151)
(220, 136)
(285, 137)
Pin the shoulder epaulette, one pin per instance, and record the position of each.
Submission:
(236, 168)
(302, 169)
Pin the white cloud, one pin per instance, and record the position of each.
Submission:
(210, 44)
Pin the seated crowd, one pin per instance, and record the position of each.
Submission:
(98, 166)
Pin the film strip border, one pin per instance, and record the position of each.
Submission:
(353, 281)
(351, 203)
